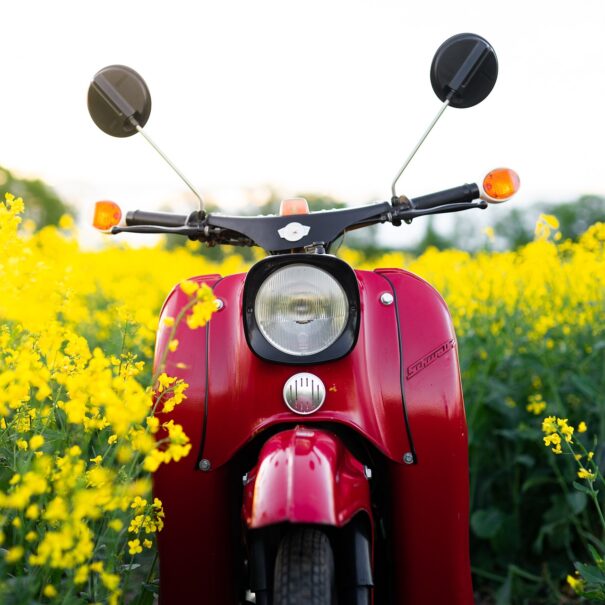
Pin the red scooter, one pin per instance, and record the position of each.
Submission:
(329, 460)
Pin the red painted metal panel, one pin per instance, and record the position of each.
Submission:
(197, 551)
(197, 562)
(305, 475)
(430, 544)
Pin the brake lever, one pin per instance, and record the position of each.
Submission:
(188, 231)
(407, 214)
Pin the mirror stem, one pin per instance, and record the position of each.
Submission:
(183, 178)
(426, 134)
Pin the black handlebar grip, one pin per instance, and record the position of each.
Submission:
(464, 193)
(160, 219)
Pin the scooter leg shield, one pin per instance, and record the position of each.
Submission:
(305, 475)
(430, 519)
(198, 544)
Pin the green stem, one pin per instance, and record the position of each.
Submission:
(597, 506)
(149, 575)
(565, 489)
(177, 321)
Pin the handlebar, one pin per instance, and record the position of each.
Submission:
(457, 195)
(278, 234)
(162, 219)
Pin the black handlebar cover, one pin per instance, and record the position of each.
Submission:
(284, 233)
(462, 194)
(163, 219)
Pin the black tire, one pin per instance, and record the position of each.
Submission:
(304, 569)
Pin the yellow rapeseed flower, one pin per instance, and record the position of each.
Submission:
(554, 439)
(36, 442)
(116, 525)
(536, 404)
(489, 233)
(576, 584)
(189, 287)
(549, 425)
(134, 546)
(33, 511)
(202, 311)
(111, 581)
(164, 382)
(66, 222)
(14, 554)
(565, 429)
(585, 474)
(81, 574)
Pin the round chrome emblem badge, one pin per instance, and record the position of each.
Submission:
(304, 393)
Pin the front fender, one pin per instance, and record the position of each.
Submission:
(305, 475)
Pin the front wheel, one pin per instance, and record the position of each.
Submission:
(304, 569)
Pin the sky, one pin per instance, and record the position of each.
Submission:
(317, 96)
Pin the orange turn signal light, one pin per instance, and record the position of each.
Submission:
(107, 215)
(297, 205)
(501, 184)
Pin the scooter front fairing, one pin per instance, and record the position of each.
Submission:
(398, 391)
(305, 475)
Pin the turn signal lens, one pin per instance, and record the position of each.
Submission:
(107, 215)
(297, 205)
(501, 184)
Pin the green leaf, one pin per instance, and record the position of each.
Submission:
(152, 588)
(487, 522)
(526, 460)
(147, 597)
(597, 557)
(582, 488)
(591, 574)
(585, 386)
(577, 502)
(504, 592)
(535, 482)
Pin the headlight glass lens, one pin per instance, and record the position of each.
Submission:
(301, 309)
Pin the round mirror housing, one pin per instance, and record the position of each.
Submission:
(119, 100)
(464, 70)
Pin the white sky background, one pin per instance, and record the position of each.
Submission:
(320, 96)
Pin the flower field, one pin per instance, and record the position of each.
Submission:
(81, 412)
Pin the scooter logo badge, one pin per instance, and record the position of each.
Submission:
(294, 231)
(427, 360)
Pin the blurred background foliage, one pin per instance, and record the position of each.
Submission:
(514, 229)
(44, 205)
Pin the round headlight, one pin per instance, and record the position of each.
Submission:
(301, 309)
